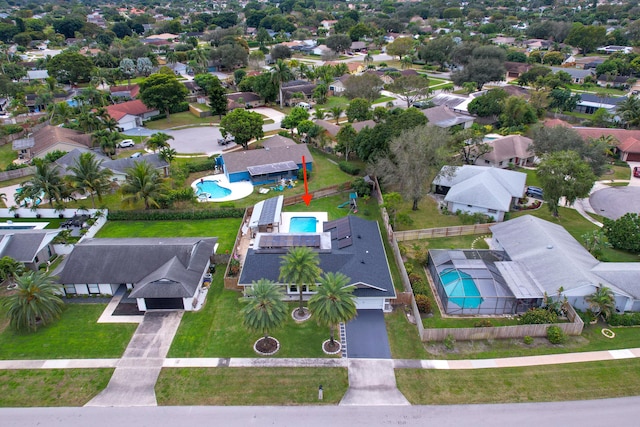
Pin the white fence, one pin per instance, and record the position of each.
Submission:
(47, 213)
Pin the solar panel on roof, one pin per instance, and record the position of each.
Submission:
(289, 240)
(272, 168)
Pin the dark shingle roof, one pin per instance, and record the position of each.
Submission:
(23, 245)
(239, 161)
(158, 267)
(363, 261)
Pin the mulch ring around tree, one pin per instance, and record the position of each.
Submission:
(266, 346)
(301, 317)
(329, 348)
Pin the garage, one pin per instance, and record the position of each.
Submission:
(369, 303)
(633, 157)
(164, 303)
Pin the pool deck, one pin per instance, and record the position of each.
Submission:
(239, 190)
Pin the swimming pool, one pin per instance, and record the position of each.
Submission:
(211, 190)
(303, 224)
(460, 288)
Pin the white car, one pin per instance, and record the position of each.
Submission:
(136, 155)
(126, 143)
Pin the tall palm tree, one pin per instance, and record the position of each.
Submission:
(158, 141)
(168, 154)
(143, 183)
(334, 303)
(265, 310)
(281, 73)
(336, 111)
(10, 269)
(46, 180)
(106, 140)
(34, 303)
(300, 267)
(368, 59)
(629, 110)
(319, 113)
(602, 302)
(90, 177)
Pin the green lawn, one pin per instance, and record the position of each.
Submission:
(576, 381)
(51, 387)
(75, 336)
(255, 386)
(225, 229)
(181, 119)
(217, 331)
(427, 216)
(403, 337)
(334, 101)
(52, 223)
(7, 156)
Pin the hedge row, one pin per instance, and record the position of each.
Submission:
(626, 319)
(165, 214)
(349, 168)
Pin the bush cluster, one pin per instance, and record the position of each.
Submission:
(180, 195)
(528, 340)
(555, 335)
(424, 303)
(361, 187)
(483, 323)
(166, 214)
(626, 319)
(538, 316)
(349, 168)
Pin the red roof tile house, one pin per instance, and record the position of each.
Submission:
(131, 114)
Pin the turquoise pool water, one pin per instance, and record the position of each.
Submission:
(460, 288)
(302, 224)
(212, 190)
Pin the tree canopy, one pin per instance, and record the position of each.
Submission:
(162, 91)
(243, 125)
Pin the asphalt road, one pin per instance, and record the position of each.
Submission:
(614, 202)
(620, 412)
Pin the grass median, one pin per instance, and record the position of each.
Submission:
(254, 386)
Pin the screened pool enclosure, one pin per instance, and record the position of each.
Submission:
(482, 282)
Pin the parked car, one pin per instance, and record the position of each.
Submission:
(422, 104)
(636, 171)
(126, 143)
(136, 155)
(535, 192)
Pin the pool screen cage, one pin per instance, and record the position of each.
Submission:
(468, 282)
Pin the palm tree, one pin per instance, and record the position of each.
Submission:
(281, 73)
(319, 113)
(368, 59)
(158, 141)
(144, 183)
(10, 269)
(90, 177)
(334, 303)
(629, 110)
(300, 267)
(602, 302)
(265, 310)
(168, 154)
(336, 111)
(34, 303)
(171, 57)
(107, 141)
(46, 180)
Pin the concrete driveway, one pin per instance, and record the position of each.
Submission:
(614, 202)
(197, 140)
(367, 336)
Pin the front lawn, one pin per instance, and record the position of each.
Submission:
(7, 156)
(51, 387)
(255, 386)
(576, 381)
(225, 229)
(77, 335)
(217, 331)
(403, 337)
(181, 119)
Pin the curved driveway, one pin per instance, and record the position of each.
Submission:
(614, 202)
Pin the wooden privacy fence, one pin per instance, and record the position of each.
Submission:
(501, 332)
(323, 192)
(431, 233)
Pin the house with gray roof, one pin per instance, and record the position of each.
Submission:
(590, 103)
(478, 189)
(267, 165)
(162, 273)
(350, 245)
(30, 247)
(577, 75)
(549, 254)
(445, 118)
(117, 166)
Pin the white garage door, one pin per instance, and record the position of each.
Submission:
(369, 303)
(127, 122)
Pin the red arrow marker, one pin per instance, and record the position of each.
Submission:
(306, 196)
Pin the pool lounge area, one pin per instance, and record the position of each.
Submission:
(216, 188)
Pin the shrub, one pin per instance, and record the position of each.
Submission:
(528, 340)
(413, 277)
(555, 335)
(168, 215)
(538, 316)
(234, 267)
(626, 319)
(179, 108)
(420, 287)
(361, 187)
(301, 174)
(408, 268)
(349, 168)
(423, 303)
(483, 323)
(14, 166)
(449, 342)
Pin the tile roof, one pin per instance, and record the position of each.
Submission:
(134, 108)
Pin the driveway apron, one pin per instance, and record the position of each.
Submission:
(367, 336)
(133, 381)
(372, 382)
